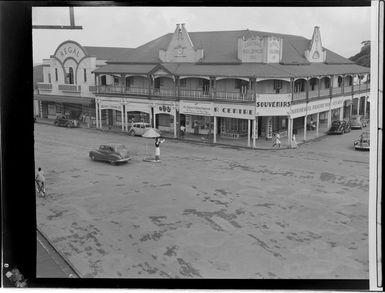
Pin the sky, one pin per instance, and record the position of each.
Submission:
(342, 28)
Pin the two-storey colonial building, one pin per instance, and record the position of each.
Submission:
(232, 84)
(68, 80)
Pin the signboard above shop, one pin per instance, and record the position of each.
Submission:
(234, 111)
(196, 108)
(272, 104)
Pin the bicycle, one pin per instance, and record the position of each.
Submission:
(40, 188)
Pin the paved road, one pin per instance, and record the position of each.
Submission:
(206, 212)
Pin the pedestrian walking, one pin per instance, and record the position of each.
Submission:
(277, 141)
(293, 142)
(182, 131)
(40, 181)
(158, 141)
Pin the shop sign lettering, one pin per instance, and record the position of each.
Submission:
(69, 50)
(234, 111)
(110, 106)
(205, 109)
(272, 104)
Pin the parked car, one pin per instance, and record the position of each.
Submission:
(339, 127)
(138, 128)
(113, 153)
(357, 122)
(363, 142)
(63, 120)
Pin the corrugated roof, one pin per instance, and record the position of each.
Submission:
(237, 70)
(222, 47)
(106, 53)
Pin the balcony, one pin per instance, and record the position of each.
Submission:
(195, 94)
(163, 92)
(69, 88)
(356, 88)
(92, 88)
(324, 92)
(313, 94)
(110, 89)
(44, 86)
(337, 90)
(136, 91)
(347, 89)
(299, 96)
(234, 96)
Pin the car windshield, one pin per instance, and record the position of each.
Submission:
(120, 148)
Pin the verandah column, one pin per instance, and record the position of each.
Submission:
(97, 114)
(358, 105)
(304, 127)
(255, 133)
(329, 118)
(100, 116)
(215, 130)
(122, 115)
(289, 132)
(248, 132)
(125, 117)
(317, 124)
(175, 124)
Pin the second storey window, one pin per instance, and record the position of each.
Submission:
(56, 77)
(327, 83)
(85, 74)
(70, 76)
(339, 81)
(49, 77)
(103, 80)
(299, 85)
(183, 82)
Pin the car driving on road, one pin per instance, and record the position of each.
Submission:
(138, 128)
(112, 152)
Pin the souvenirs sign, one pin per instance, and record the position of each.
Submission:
(272, 104)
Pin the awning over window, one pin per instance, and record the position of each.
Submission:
(65, 99)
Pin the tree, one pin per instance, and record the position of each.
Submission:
(363, 57)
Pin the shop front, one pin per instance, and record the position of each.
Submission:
(109, 113)
(137, 111)
(165, 117)
(197, 117)
(234, 122)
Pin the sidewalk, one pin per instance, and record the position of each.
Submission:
(260, 143)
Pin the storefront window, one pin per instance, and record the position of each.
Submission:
(164, 120)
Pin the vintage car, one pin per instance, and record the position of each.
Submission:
(113, 153)
(63, 120)
(138, 128)
(339, 127)
(357, 122)
(363, 142)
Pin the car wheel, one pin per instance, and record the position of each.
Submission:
(112, 163)
(131, 133)
(69, 125)
(92, 157)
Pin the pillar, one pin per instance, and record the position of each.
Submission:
(154, 117)
(304, 128)
(121, 113)
(365, 102)
(255, 132)
(329, 118)
(125, 118)
(175, 125)
(248, 132)
(97, 114)
(215, 130)
(341, 113)
(100, 116)
(358, 105)
(289, 132)
(317, 124)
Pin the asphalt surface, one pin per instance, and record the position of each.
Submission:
(205, 211)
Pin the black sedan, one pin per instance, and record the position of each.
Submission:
(339, 127)
(113, 153)
(63, 120)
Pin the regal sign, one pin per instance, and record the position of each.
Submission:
(69, 50)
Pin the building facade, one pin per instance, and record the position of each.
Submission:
(229, 85)
(68, 84)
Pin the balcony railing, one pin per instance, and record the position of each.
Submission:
(336, 90)
(163, 92)
(69, 88)
(356, 87)
(92, 88)
(136, 90)
(313, 94)
(299, 96)
(194, 94)
(110, 89)
(324, 93)
(44, 86)
(348, 89)
(234, 96)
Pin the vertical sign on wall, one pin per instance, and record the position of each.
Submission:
(269, 128)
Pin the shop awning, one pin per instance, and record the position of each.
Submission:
(65, 99)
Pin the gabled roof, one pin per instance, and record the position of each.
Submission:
(222, 46)
(106, 53)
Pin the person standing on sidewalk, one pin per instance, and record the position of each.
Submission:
(277, 140)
